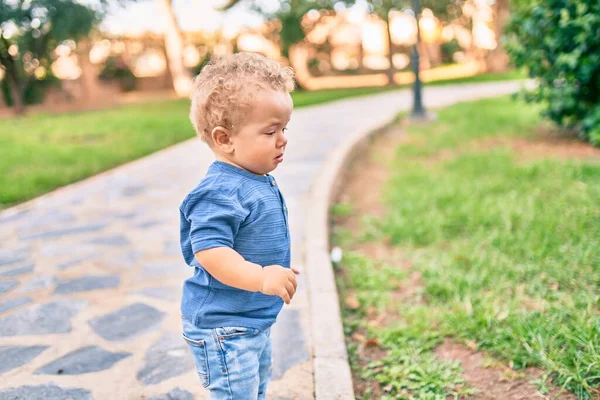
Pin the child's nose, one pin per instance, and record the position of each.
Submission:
(282, 140)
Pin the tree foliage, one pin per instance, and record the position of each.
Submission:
(30, 31)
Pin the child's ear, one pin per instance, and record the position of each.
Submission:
(221, 138)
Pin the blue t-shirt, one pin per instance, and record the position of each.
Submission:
(232, 207)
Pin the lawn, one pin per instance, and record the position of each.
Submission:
(501, 233)
(39, 153)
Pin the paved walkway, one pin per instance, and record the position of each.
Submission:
(90, 275)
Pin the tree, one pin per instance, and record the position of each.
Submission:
(289, 14)
(30, 31)
(497, 59)
(443, 10)
(182, 78)
(558, 42)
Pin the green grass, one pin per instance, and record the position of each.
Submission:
(508, 251)
(41, 152)
(485, 77)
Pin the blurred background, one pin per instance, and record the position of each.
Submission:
(87, 54)
(481, 225)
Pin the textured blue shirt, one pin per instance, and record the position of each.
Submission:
(235, 208)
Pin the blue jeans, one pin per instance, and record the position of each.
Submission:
(234, 363)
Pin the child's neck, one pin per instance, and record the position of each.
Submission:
(225, 159)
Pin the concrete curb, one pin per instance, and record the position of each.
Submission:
(333, 379)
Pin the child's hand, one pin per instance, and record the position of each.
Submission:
(279, 281)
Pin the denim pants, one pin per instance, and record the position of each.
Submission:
(234, 363)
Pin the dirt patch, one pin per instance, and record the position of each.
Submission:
(383, 253)
(369, 350)
(364, 178)
(498, 381)
(544, 146)
(544, 143)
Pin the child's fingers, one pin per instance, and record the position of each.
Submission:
(291, 289)
(292, 278)
(285, 296)
(296, 271)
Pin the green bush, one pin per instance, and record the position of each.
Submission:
(115, 68)
(34, 93)
(448, 49)
(558, 41)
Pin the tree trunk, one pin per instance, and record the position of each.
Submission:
(15, 86)
(361, 56)
(182, 79)
(391, 70)
(16, 93)
(12, 77)
(497, 60)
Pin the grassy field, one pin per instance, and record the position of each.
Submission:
(505, 242)
(39, 153)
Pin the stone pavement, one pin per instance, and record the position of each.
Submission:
(90, 275)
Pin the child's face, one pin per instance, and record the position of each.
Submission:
(259, 144)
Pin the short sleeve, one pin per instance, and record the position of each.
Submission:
(214, 220)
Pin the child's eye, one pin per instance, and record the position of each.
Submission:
(274, 132)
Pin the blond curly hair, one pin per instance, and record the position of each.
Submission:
(224, 90)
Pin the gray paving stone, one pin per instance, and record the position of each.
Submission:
(168, 357)
(22, 270)
(128, 215)
(45, 392)
(82, 361)
(161, 292)
(127, 322)
(288, 339)
(133, 190)
(7, 286)
(53, 249)
(117, 240)
(13, 216)
(74, 262)
(14, 303)
(36, 235)
(53, 217)
(38, 282)
(12, 357)
(13, 256)
(147, 224)
(76, 201)
(87, 283)
(39, 319)
(175, 394)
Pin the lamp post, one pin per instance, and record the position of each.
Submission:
(418, 112)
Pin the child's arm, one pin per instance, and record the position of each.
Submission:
(230, 268)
